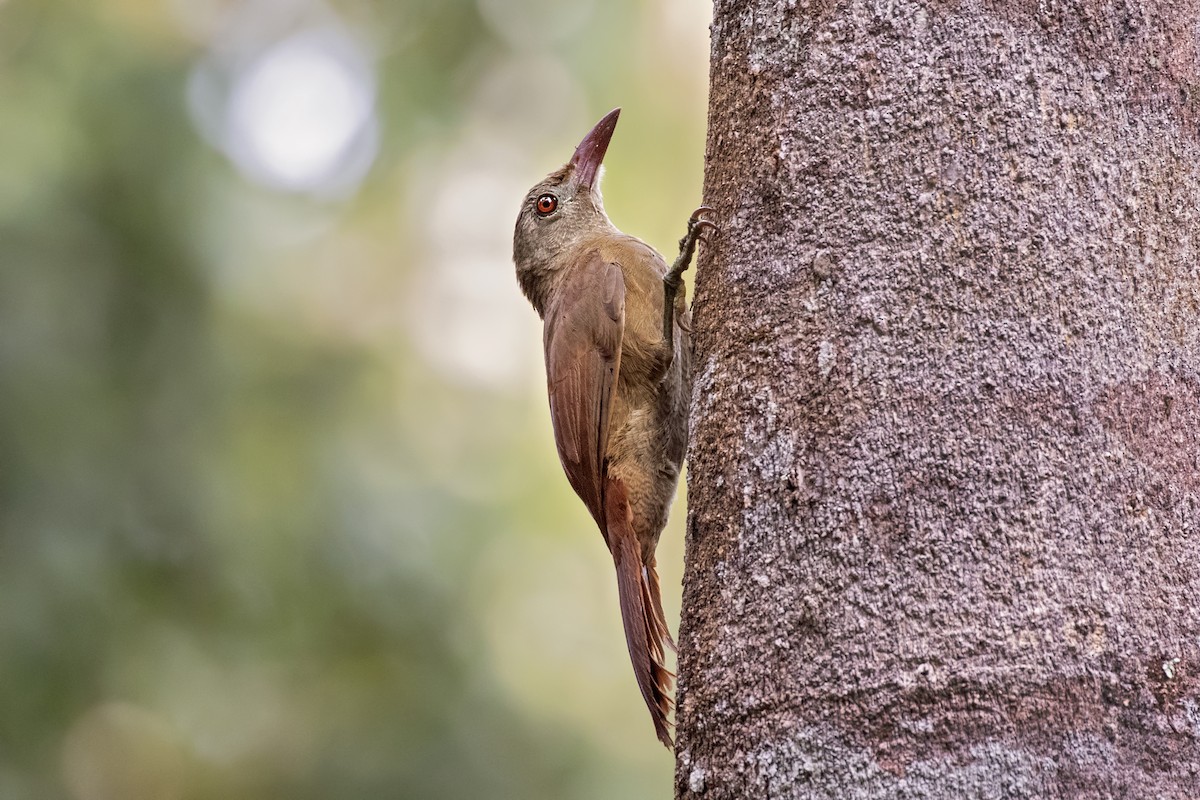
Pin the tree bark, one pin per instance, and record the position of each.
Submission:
(944, 527)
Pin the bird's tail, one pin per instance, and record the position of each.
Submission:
(641, 611)
(654, 602)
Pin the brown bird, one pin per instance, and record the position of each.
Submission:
(619, 374)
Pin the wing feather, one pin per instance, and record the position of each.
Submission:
(582, 338)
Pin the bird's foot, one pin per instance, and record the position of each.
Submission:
(698, 230)
(698, 226)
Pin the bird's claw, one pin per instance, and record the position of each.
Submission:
(699, 229)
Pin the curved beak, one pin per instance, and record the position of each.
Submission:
(590, 153)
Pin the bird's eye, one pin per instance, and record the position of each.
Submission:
(546, 204)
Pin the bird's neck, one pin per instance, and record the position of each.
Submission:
(541, 272)
(539, 278)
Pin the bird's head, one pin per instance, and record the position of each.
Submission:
(562, 209)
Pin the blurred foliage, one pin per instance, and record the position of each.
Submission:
(280, 514)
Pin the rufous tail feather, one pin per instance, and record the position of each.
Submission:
(650, 579)
(640, 612)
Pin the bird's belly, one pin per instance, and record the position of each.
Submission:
(645, 452)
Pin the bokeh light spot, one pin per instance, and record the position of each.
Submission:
(302, 115)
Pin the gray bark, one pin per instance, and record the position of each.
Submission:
(944, 527)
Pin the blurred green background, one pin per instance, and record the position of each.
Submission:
(280, 514)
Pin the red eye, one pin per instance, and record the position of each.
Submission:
(546, 204)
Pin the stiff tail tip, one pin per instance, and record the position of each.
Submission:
(646, 633)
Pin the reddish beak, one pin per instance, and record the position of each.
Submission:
(590, 153)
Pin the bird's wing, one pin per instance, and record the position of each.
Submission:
(582, 337)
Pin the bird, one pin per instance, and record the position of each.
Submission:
(617, 343)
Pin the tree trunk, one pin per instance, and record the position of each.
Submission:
(944, 529)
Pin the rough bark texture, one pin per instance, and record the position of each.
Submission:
(944, 537)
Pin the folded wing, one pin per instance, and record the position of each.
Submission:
(582, 338)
